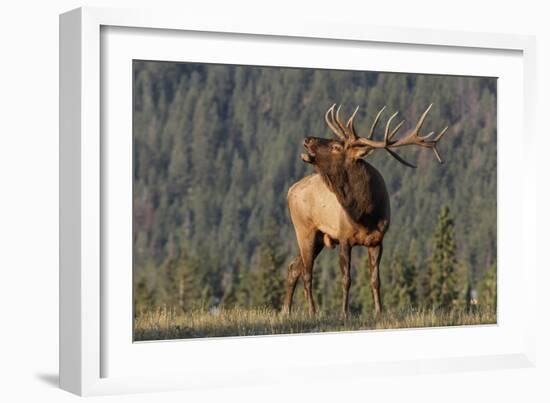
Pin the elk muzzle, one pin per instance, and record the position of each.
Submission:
(309, 156)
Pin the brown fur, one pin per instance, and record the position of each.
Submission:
(346, 202)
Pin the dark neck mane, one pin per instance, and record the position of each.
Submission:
(358, 189)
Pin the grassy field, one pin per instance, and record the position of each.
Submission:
(164, 323)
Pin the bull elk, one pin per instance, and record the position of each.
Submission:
(346, 201)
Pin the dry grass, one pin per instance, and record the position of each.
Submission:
(165, 323)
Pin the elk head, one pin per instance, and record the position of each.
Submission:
(327, 154)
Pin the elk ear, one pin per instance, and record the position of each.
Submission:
(360, 152)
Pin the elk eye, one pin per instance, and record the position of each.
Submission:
(336, 148)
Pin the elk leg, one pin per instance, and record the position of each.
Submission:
(309, 251)
(345, 268)
(375, 255)
(295, 269)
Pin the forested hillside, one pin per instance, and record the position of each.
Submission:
(216, 148)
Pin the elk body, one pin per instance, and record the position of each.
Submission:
(345, 202)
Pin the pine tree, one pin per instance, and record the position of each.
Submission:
(144, 293)
(243, 293)
(421, 274)
(390, 297)
(467, 300)
(464, 286)
(361, 290)
(407, 286)
(401, 284)
(423, 286)
(443, 264)
(206, 299)
(487, 288)
(230, 285)
(269, 285)
(181, 284)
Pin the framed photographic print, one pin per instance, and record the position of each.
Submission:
(230, 196)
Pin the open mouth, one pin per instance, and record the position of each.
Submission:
(308, 156)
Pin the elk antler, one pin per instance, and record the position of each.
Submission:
(412, 138)
(376, 119)
(351, 129)
(345, 132)
(338, 130)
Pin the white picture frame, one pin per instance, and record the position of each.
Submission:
(92, 345)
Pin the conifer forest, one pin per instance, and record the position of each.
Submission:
(215, 150)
